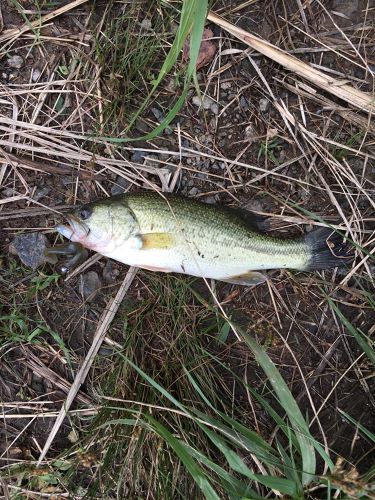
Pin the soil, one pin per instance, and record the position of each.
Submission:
(290, 316)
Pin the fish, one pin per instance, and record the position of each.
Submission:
(172, 233)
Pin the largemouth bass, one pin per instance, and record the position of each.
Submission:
(171, 233)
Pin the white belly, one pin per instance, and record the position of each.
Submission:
(175, 261)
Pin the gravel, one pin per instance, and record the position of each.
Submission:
(90, 285)
(16, 62)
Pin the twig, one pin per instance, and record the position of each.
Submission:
(16, 32)
(101, 331)
(355, 97)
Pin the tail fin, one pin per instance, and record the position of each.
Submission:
(328, 249)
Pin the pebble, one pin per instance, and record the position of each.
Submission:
(146, 24)
(110, 274)
(264, 104)
(30, 249)
(16, 62)
(207, 103)
(244, 103)
(158, 114)
(120, 186)
(225, 85)
(41, 192)
(90, 285)
(138, 156)
(193, 191)
(152, 160)
(36, 73)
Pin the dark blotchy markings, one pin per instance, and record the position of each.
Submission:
(200, 254)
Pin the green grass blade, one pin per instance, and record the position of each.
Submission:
(195, 470)
(232, 485)
(291, 408)
(237, 464)
(364, 342)
(363, 429)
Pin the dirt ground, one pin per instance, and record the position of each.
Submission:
(240, 151)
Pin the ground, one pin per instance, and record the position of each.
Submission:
(264, 139)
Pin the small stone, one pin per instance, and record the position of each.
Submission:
(146, 24)
(193, 191)
(35, 75)
(9, 192)
(206, 103)
(214, 108)
(225, 85)
(171, 85)
(244, 103)
(90, 285)
(30, 249)
(158, 114)
(142, 126)
(120, 186)
(152, 160)
(264, 104)
(110, 273)
(138, 156)
(41, 192)
(16, 62)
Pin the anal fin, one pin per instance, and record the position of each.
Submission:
(250, 278)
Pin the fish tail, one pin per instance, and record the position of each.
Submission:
(327, 249)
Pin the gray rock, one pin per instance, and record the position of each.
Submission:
(110, 274)
(142, 126)
(158, 114)
(90, 285)
(30, 249)
(36, 74)
(193, 191)
(146, 24)
(226, 85)
(206, 102)
(16, 62)
(244, 103)
(152, 160)
(264, 104)
(120, 186)
(41, 192)
(138, 156)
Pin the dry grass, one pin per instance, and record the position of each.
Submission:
(307, 158)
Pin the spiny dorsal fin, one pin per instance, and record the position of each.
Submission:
(256, 222)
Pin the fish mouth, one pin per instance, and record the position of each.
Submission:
(75, 230)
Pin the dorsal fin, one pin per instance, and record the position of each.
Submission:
(256, 222)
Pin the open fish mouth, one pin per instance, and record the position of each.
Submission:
(75, 230)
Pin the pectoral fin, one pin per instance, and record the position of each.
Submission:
(157, 240)
(248, 279)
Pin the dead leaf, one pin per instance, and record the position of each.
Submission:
(207, 49)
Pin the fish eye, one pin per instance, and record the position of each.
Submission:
(84, 212)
